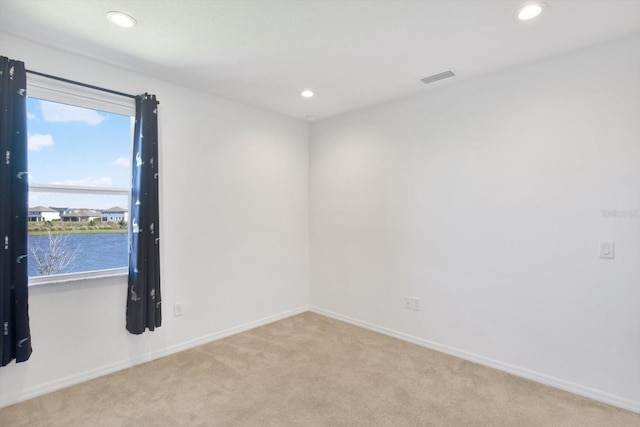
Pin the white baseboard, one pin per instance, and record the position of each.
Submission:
(601, 396)
(7, 399)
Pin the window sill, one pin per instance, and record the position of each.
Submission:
(77, 277)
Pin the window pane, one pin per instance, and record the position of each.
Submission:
(76, 146)
(71, 233)
(60, 253)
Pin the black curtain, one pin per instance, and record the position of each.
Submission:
(143, 300)
(14, 191)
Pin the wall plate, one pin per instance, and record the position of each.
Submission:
(607, 250)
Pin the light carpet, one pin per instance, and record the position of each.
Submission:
(309, 370)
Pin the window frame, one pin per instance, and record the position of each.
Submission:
(66, 93)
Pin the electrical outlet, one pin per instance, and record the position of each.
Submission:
(177, 309)
(412, 303)
(408, 303)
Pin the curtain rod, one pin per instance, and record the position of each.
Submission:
(49, 76)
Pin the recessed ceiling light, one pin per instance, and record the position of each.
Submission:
(306, 93)
(530, 11)
(121, 19)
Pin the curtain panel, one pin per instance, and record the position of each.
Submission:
(143, 299)
(14, 191)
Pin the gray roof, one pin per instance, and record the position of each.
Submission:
(82, 213)
(115, 209)
(41, 209)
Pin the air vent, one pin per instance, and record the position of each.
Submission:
(437, 77)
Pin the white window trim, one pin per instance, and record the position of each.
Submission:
(65, 93)
(78, 277)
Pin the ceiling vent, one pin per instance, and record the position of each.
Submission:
(437, 77)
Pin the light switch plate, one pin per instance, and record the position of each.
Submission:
(607, 250)
(177, 309)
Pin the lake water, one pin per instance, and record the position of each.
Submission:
(94, 251)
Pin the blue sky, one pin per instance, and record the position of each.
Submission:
(77, 146)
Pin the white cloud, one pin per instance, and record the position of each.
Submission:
(37, 141)
(121, 161)
(54, 112)
(105, 181)
(30, 116)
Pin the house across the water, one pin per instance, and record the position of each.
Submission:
(41, 213)
(115, 214)
(80, 215)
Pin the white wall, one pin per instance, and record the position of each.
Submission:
(484, 198)
(234, 216)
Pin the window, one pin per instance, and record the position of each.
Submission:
(79, 181)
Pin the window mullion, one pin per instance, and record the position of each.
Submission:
(54, 188)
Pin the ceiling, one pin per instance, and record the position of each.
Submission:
(351, 53)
